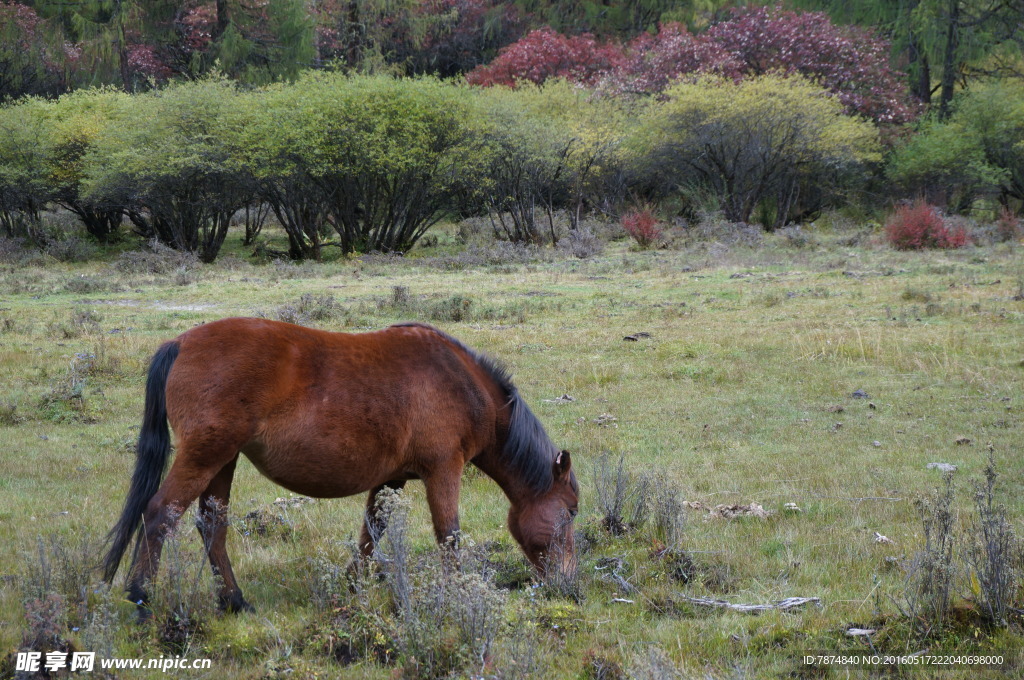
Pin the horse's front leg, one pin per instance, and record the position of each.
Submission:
(443, 499)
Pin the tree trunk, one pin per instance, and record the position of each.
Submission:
(223, 20)
(950, 59)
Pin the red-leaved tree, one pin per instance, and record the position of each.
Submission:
(544, 54)
(850, 61)
(652, 62)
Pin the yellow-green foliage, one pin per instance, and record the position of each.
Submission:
(751, 140)
(24, 134)
(78, 119)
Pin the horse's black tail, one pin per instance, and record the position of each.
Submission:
(152, 452)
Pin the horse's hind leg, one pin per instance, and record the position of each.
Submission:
(212, 522)
(187, 478)
(373, 522)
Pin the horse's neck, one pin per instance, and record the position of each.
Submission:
(491, 464)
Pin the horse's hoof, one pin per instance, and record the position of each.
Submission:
(143, 614)
(235, 603)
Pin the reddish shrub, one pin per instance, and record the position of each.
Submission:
(642, 226)
(917, 226)
(652, 62)
(851, 62)
(544, 54)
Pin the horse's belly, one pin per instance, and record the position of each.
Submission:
(320, 474)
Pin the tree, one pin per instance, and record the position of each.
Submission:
(654, 61)
(760, 142)
(545, 54)
(371, 157)
(525, 151)
(978, 150)
(849, 61)
(622, 20)
(944, 43)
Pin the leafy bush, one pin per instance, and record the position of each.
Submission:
(918, 226)
(373, 158)
(582, 243)
(771, 138)
(24, 191)
(542, 148)
(978, 150)
(642, 226)
(849, 61)
(174, 176)
(78, 119)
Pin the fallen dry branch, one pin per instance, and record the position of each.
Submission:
(782, 605)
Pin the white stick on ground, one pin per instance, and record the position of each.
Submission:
(782, 605)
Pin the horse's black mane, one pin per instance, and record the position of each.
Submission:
(528, 450)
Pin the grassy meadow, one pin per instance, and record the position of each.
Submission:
(743, 393)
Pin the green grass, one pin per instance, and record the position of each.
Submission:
(733, 399)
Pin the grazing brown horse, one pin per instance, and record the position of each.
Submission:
(330, 415)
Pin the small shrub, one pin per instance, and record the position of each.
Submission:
(581, 243)
(559, 581)
(447, 620)
(926, 599)
(919, 226)
(654, 664)
(669, 515)
(182, 594)
(84, 284)
(993, 554)
(310, 308)
(713, 226)
(602, 664)
(70, 248)
(1008, 227)
(15, 251)
(796, 237)
(65, 400)
(453, 308)
(265, 523)
(911, 294)
(642, 226)
(623, 501)
(9, 413)
(156, 259)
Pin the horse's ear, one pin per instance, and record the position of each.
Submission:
(562, 464)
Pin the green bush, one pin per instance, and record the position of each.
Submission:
(77, 120)
(979, 150)
(166, 161)
(764, 142)
(24, 191)
(375, 158)
(545, 147)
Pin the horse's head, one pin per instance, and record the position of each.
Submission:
(542, 524)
